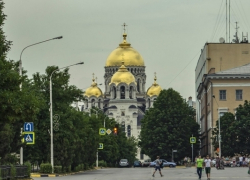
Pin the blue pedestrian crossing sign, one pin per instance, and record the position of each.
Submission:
(192, 140)
(28, 127)
(29, 137)
(102, 131)
(100, 146)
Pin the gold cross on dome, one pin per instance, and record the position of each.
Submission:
(124, 27)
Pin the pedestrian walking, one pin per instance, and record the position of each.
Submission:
(199, 165)
(208, 164)
(157, 166)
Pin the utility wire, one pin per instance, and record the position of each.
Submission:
(220, 22)
(215, 25)
(183, 69)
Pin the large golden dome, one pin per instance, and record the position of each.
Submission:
(122, 76)
(131, 56)
(155, 89)
(93, 90)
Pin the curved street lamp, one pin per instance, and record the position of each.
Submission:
(21, 73)
(51, 115)
(20, 62)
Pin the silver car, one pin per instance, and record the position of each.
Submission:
(124, 163)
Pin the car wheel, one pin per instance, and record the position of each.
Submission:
(170, 165)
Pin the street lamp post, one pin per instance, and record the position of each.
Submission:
(51, 115)
(21, 73)
(219, 128)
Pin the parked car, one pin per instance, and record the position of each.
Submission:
(146, 163)
(165, 163)
(124, 163)
(137, 164)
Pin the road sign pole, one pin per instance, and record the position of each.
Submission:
(21, 151)
(97, 158)
(172, 156)
(192, 149)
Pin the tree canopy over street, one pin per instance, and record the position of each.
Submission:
(235, 132)
(168, 125)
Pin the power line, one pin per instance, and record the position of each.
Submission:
(216, 21)
(183, 68)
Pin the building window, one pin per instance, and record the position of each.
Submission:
(141, 156)
(123, 113)
(129, 130)
(238, 94)
(223, 94)
(122, 92)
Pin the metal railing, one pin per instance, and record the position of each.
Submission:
(21, 172)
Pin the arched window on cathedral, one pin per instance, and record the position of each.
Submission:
(87, 104)
(138, 85)
(122, 90)
(114, 89)
(131, 92)
(129, 130)
(99, 103)
(149, 104)
(93, 103)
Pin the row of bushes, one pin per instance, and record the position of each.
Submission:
(47, 168)
(13, 171)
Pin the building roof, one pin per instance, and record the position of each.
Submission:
(245, 69)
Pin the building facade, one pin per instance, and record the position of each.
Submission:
(125, 98)
(222, 83)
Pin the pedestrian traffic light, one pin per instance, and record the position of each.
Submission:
(115, 130)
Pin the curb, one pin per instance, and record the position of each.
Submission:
(44, 175)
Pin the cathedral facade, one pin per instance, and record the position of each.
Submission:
(125, 98)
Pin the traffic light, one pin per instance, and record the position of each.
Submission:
(115, 130)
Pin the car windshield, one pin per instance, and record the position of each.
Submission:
(124, 160)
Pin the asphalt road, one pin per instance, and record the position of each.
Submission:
(238, 173)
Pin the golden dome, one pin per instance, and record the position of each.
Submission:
(155, 89)
(93, 90)
(132, 57)
(122, 76)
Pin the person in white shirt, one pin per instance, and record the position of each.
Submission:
(241, 160)
(208, 164)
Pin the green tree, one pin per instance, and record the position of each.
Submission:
(16, 106)
(235, 130)
(168, 125)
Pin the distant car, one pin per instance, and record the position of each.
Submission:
(137, 164)
(146, 163)
(124, 163)
(165, 163)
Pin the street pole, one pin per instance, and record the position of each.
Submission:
(219, 128)
(97, 158)
(21, 74)
(51, 116)
(192, 150)
(219, 139)
(172, 156)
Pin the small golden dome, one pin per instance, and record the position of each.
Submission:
(132, 57)
(93, 90)
(155, 89)
(122, 76)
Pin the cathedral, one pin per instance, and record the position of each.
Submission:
(125, 98)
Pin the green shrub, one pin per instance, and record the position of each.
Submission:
(102, 163)
(86, 167)
(57, 169)
(67, 169)
(28, 164)
(45, 168)
(12, 172)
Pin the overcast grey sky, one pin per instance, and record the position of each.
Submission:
(169, 34)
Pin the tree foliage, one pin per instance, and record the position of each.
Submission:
(168, 125)
(235, 131)
(16, 106)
